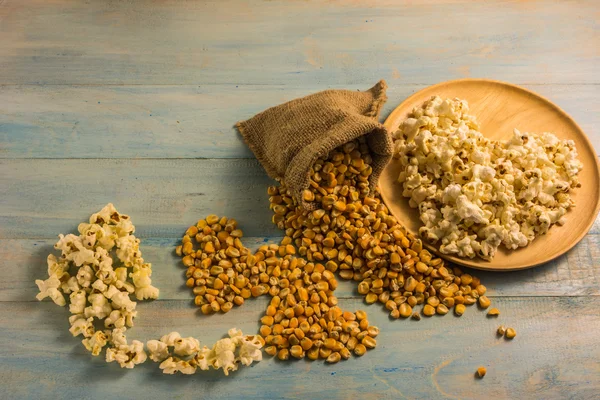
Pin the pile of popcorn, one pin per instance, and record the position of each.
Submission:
(474, 194)
(99, 298)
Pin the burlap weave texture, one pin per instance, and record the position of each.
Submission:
(287, 139)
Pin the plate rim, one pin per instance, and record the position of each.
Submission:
(394, 115)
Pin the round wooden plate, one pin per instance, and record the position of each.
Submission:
(499, 108)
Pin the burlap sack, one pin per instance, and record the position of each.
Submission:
(288, 139)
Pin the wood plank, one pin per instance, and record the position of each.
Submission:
(576, 273)
(231, 42)
(555, 355)
(184, 121)
(45, 197)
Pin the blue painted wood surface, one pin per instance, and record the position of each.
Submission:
(134, 103)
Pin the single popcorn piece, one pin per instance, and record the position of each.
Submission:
(236, 335)
(250, 350)
(117, 337)
(85, 276)
(185, 367)
(66, 244)
(100, 307)
(127, 356)
(129, 316)
(105, 215)
(186, 346)
(49, 288)
(170, 338)
(95, 343)
(128, 249)
(122, 300)
(224, 356)
(141, 280)
(121, 280)
(70, 285)
(474, 194)
(81, 326)
(116, 319)
(56, 267)
(78, 302)
(204, 358)
(173, 364)
(82, 256)
(158, 351)
(168, 366)
(147, 293)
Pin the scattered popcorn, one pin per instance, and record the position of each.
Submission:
(221, 356)
(97, 291)
(100, 290)
(474, 194)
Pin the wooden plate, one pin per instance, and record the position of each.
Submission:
(499, 108)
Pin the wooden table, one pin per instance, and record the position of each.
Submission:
(134, 103)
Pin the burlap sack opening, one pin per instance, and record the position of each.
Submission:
(287, 139)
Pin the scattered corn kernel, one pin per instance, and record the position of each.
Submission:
(510, 333)
(493, 312)
(481, 371)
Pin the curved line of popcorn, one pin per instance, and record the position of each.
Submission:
(100, 292)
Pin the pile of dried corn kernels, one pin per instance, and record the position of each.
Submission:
(302, 319)
(352, 233)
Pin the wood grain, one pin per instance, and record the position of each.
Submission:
(90, 98)
(343, 42)
(574, 274)
(39, 121)
(431, 358)
(47, 197)
(500, 108)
